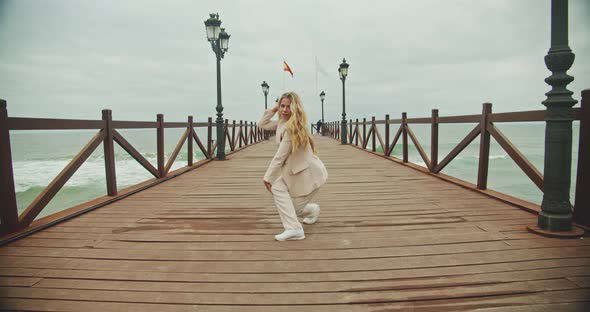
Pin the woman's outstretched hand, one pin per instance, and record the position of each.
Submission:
(275, 108)
(268, 186)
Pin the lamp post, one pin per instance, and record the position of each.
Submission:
(219, 40)
(343, 71)
(556, 210)
(322, 97)
(265, 87)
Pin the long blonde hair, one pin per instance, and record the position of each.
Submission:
(297, 125)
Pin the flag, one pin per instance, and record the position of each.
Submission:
(287, 68)
(320, 68)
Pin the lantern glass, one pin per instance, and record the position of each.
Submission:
(213, 27)
(344, 72)
(343, 69)
(223, 40)
(264, 86)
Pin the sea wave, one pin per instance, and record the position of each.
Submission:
(39, 173)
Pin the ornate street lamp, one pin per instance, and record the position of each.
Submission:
(322, 97)
(265, 87)
(219, 40)
(556, 210)
(343, 71)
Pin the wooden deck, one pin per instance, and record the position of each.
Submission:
(389, 238)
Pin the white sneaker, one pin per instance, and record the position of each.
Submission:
(295, 234)
(313, 215)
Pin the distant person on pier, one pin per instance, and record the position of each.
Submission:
(295, 174)
(318, 126)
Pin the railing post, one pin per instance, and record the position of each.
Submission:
(240, 134)
(356, 139)
(404, 137)
(582, 202)
(364, 133)
(386, 147)
(226, 134)
(160, 144)
(210, 137)
(484, 148)
(256, 132)
(9, 208)
(109, 153)
(434, 140)
(233, 135)
(190, 139)
(374, 128)
(350, 134)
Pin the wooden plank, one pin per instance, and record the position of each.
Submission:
(419, 147)
(255, 255)
(352, 296)
(175, 124)
(119, 124)
(134, 153)
(19, 281)
(109, 153)
(199, 143)
(582, 198)
(332, 265)
(100, 306)
(434, 140)
(458, 149)
(460, 119)
(9, 209)
(537, 115)
(425, 120)
(516, 303)
(33, 210)
(484, 148)
(395, 138)
(527, 167)
(160, 145)
(19, 123)
(407, 274)
(176, 150)
(574, 275)
(383, 147)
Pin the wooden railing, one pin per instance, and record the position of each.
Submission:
(361, 133)
(238, 135)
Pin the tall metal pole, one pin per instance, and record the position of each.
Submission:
(343, 127)
(219, 121)
(556, 214)
(265, 106)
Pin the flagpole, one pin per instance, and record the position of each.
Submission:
(316, 74)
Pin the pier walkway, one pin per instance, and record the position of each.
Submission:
(389, 238)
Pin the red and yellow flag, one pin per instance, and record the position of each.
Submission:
(287, 68)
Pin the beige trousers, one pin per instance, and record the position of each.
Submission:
(290, 207)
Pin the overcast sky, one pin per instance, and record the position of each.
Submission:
(70, 59)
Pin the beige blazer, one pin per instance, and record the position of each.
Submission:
(302, 171)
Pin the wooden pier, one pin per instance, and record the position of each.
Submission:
(390, 238)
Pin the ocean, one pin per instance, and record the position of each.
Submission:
(38, 156)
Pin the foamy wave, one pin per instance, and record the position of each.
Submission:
(39, 173)
(494, 156)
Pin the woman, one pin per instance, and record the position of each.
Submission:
(295, 174)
